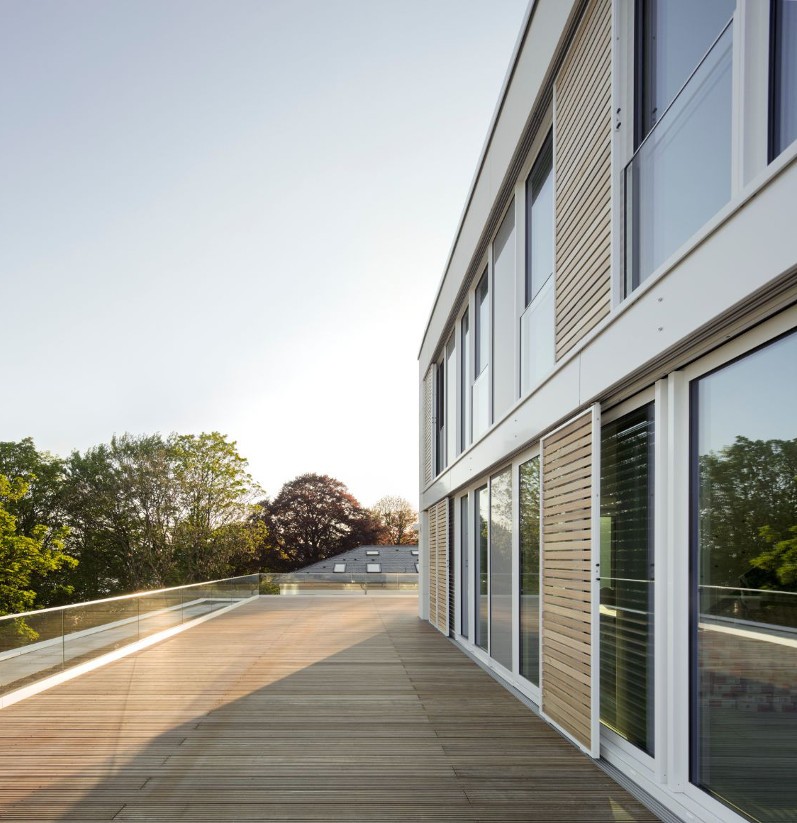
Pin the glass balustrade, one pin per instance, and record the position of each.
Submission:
(680, 176)
(37, 644)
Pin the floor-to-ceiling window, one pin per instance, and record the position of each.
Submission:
(744, 583)
(529, 541)
(501, 567)
(680, 174)
(504, 287)
(481, 507)
(626, 587)
(480, 404)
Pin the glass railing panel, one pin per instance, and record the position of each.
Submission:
(19, 636)
(34, 645)
(97, 628)
(680, 176)
(537, 338)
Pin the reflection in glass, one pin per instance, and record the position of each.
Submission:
(504, 315)
(537, 338)
(744, 631)
(529, 528)
(451, 400)
(674, 37)
(464, 588)
(501, 567)
(539, 222)
(626, 611)
(482, 325)
(680, 176)
(482, 507)
(784, 76)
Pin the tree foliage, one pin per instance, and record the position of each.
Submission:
(25, 556)
(150, 511)
(313, 517)
(397, 517)
(748, 514)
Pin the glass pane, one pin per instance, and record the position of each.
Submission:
(537, 339)
(676, 34)
(745, 629)
(529, 528)
(464, 588)
(501, 568)
(504, 315)
(626, 612)
(464, 361)
(482, 325)
(451, 400)
(785, 74)
(482, 504)
(480, 405)
(539, 222)
(681, 175)
(440, 414)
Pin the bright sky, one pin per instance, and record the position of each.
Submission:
(233, 215)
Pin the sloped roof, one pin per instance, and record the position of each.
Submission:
(392, 559)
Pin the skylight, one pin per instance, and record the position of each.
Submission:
(373, 567)
(373, 552)
(415, 552)
(416, 568)
(339, 567)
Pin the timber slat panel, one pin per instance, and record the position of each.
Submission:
(438, 565)
(298, 709)
(582, 147)
(566, 578)
(428, 428)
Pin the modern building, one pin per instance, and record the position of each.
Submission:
(608, 397)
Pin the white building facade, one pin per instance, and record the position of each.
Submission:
(608, 397)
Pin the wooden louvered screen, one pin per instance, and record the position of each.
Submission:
(428, 425)
(450, 564)
(438, 565)
(583, 179)
(570, 552)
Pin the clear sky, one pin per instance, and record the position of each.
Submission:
(233, 215)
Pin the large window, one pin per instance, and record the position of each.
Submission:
(537, 321)
(451, 400)
(501, 567)
(784, 75)
(480, 407)
(482, 512)
(626, 594)
(440, 416)
(744, 578)
(680, 175)
(464, 365)
(529, 528)
(504, 315)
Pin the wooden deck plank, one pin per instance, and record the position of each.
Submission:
(296, 709)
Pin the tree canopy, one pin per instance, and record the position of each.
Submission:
(397, 517)
(25, 556)
(313, 517)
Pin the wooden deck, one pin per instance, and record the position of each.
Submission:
(296, 709)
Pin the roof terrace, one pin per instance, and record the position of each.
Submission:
(305, 708)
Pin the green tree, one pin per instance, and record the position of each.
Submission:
(217, 535)
(40, 505)
(748, 509)
(24, 556)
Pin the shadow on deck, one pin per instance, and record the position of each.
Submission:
(296, 709)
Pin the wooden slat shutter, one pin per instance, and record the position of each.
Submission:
(438, 565)
(428, 424)
(570, 588)
(583, 178)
